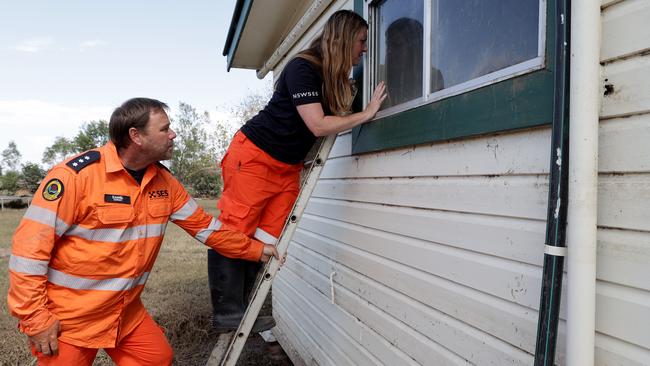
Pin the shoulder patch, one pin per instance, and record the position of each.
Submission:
(53, 190)
(83, 160)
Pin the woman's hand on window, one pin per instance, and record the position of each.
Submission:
(378, 97)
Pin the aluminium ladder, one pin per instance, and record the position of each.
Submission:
(229, 345)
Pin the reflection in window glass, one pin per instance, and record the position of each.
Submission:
(472, 38)
(399, 41)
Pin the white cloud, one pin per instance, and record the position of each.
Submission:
(34, 45)
(92, 44)
(34, 124)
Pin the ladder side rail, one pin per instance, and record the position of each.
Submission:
(263, 286)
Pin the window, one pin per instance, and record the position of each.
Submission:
(400, 49)
(455, 68)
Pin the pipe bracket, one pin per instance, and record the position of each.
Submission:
(555, 251)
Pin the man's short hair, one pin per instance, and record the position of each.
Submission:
(134, 113)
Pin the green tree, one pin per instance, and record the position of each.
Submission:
(31, 177)
(192, 149)
(9, 182)
(251, 104)
(59, 150)
(220, 137)
(206, 182)
(241, 112)
(11, 157)
(92, 134)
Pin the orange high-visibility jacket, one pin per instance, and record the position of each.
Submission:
(86, 245)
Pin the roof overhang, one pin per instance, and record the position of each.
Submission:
(257, 28)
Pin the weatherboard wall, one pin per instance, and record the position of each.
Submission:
(432, 254)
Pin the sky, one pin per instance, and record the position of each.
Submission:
(66, 62)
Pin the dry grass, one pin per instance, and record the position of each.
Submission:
(176, 296)
(13, 345)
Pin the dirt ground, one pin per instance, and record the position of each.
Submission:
(176, 296)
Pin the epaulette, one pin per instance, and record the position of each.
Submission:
(161, 165)
(83, 160)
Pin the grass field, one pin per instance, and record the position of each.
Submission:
(176, 296)
(13, 345)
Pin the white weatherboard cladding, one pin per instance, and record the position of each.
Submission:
(605, 3)
(624, 249)
(372, 298)
(623, 267)
(356, 334)
(406, 252)
(625, 29)
(435, 251)
(623, 146)
(508, 281)
(629, 80)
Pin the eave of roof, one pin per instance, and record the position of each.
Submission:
(237, 23)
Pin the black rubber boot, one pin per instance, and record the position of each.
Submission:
(228, 291)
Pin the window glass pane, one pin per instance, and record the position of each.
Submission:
(472, 38)
(399, 49)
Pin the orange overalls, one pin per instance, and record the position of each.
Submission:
(86, 245)
(258, 190)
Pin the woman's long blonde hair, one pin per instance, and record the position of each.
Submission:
(331, 54)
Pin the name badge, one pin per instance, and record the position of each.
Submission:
(117, 198)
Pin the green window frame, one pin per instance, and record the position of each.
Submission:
(519, 102)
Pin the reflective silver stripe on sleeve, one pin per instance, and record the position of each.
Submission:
(46, 217)
(109, 284)
(118, 235)
(204, 234)
(27, 265)
(265, 237)
(186, 211)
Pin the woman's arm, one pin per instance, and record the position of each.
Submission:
(321, 125)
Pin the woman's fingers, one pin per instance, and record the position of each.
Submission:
(380, 91)
(379, 94)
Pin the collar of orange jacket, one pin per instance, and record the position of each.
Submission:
(114, 164)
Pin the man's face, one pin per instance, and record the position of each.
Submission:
(158, 137)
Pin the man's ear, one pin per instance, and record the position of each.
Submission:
(135, 136)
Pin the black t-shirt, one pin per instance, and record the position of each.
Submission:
(278, 128)
(137, 174)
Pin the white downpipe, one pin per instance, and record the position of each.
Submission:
(583, 181)
(310, 16)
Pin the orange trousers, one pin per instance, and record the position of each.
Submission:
(146, 345)
(258, 190)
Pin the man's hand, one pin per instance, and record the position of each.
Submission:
(46, 342)
(269, 250)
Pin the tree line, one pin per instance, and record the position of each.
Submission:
(199, 146)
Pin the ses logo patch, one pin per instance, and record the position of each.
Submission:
(53, 190)
(160, 194)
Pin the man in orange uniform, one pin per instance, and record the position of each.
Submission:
(85, 247)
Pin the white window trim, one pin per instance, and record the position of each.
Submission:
(509, 72)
